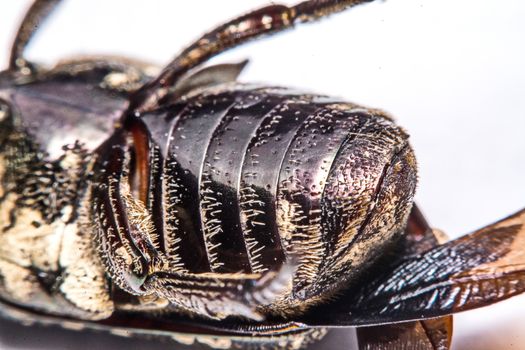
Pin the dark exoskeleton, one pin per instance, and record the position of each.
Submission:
(188, 205)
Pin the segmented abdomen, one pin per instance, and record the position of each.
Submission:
(250, 177)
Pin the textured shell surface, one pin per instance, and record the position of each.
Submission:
(100, 211)
(371, 91)
(246, 178)
(239, 179)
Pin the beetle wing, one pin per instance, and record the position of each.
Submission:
(433, 334)
(473, 271)
(208, 77)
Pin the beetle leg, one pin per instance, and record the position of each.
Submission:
(266, 20)
(123, 232)
(37, 13)
(220, 295)
(134, 263)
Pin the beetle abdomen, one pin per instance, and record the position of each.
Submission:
(254, 177)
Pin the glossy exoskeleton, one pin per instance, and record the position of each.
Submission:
(187, 205)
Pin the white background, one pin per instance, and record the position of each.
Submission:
(451, 72)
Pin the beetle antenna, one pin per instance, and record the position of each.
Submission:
(37, 13)
(267, 20)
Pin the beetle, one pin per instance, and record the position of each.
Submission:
(121, 163)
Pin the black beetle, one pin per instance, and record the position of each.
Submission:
(112, 165)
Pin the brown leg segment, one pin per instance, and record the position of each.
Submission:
(218, 296)
(36, 14)
(267, 20)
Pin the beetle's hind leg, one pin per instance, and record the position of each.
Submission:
(126, 245)
(218, 296)
(37, 13)
(267, 20)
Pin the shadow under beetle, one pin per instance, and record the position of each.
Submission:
(186, 205)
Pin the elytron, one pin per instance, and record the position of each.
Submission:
(186, 205)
